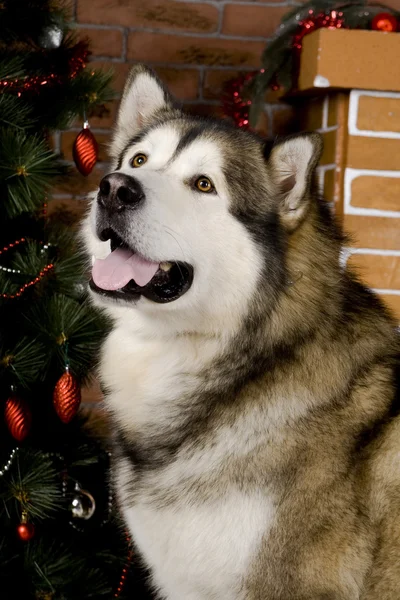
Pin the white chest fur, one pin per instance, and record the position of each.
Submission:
(197, 549)
(201, 551)
(147, 377)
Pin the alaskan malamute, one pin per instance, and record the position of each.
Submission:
(249, 377)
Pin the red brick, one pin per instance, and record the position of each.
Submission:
(373, 232)
(153, 47)
(76, 184)
(393, 303)
(376, 270)
(67, 142)
(252, 21)
(157, 14)
(395, 4)
(278, 2)
(214, 81)
(69, 211)
(182, 83)
(103, 42)
(102, 116)
(120, 71)
(91, 393)
(204, 110)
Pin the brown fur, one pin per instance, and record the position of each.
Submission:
(313, 332)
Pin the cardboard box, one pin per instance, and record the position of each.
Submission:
(350, 59)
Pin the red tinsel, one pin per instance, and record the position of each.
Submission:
(236, 106)
(76, 62)
(34, 281)
(125, 570)
(332, 20)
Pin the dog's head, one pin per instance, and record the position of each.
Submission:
(193, 219)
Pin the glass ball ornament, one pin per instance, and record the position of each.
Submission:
(51, 37)
(83, 504)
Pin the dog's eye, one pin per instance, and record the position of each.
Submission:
(138, 160)
(203, 184)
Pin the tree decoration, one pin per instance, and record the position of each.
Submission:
(25, 530)
(51, 37)
(83, 504)
(9, 462)
(66, 397)
(85, 150)
(125, 570)
(384, 22)
(77, 60)
(18, 417)
(243, 97)
(43, 88)
(29, 284)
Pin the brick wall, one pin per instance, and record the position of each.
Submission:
(195, 46)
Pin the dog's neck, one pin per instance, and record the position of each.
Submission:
(161, 373)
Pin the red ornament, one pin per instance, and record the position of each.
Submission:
(66, 397)
(26, 531)
(384, 22)
(236, 105)
(85, 150)
(18, 417)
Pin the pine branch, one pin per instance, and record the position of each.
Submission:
(71, 331)
(32, 485)
(14, 113)
(20, 364)
(27, 167)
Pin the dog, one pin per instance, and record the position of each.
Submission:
(250, 378)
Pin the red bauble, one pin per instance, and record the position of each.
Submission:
(18, 417)
(66, 397)
(85, 151)
(25, 531)
(384, 22)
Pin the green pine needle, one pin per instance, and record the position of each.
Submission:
(33, 484)
(27, 167)
(72, 331)
(20, 365)
(14, 113)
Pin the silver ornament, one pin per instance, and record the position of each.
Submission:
(83, 504)
(51, 37)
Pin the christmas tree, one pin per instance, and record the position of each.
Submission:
(58, 536)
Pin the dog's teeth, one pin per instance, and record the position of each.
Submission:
(93, 259)
(165, 266)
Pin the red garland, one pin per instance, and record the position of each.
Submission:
(76, 63)
(236, 106)
(39, 276)
(125, 570)
(333, 20)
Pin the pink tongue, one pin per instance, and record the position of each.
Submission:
(122, 265)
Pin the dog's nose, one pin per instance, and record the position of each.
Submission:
(118, 192)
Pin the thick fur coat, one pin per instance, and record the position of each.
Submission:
(255, 416)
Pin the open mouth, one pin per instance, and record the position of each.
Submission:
(127, 275)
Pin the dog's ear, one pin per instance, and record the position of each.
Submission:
(292, 163)
(144, 95)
